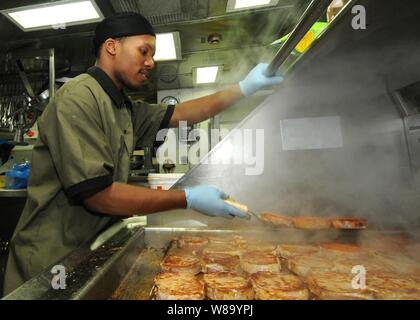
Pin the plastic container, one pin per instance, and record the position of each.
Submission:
(163, 181)
(17, 177)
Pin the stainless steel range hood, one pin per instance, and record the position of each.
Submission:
(334, 139)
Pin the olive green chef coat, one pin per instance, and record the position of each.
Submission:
(86, 137)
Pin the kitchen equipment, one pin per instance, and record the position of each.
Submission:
(124, 266)
(163, 181)
(244, 208)
(168, 166)
(136, 162)
(141, 163)
(20, 105)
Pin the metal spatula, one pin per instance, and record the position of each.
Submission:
(245, 209)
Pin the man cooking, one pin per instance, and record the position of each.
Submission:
(80, 165)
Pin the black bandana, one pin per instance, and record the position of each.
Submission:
(121, 25)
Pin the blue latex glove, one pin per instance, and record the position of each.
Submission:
(256, 80)
(209, 201)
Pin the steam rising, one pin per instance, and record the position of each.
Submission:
(350, 75)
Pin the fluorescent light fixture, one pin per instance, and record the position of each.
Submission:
(205, 75)
(237, 5)
(56, 15)
(168, 47)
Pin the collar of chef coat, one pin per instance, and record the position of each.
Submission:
(119, 97)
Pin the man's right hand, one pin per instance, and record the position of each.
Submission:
(209, 200)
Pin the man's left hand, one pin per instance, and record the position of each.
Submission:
(256, 80)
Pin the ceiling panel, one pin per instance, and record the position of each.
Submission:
(164, 12)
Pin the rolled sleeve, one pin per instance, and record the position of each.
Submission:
(75, 136)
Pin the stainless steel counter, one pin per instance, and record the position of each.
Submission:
(7, 193)
(98, 273)
(123, 267)
(87, 270)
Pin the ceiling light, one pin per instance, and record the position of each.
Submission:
(168, 47)
(206, 74)
(236, 5)
(55, 15)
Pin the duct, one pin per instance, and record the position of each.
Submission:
(165, 12)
